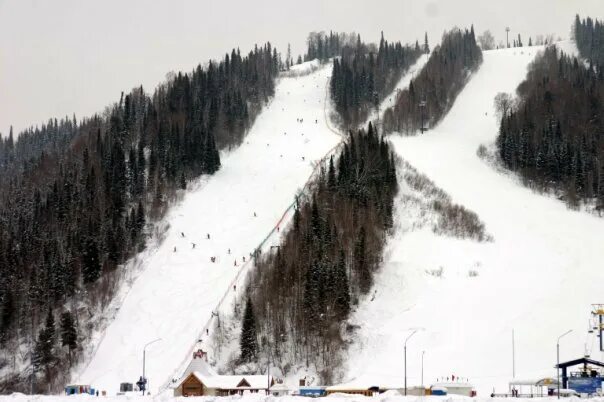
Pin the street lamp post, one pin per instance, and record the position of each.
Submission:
(144, 358)
(558, 358)
(405, 348)
(423, 352)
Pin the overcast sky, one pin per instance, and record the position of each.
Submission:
(59, 57)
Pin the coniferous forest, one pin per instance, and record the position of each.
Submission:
(362, 77)
(77, 199)
(554, 136)
(589, 37)
(300, 296)
(437, 85)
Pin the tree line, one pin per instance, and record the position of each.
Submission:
(76, 200)
(554, 135)
(322, 46)
(589, 37)
(300, 296)
(362, 77)
(432, 93)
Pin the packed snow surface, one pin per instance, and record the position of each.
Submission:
(390, 396)
(175, 294)
(538, 277)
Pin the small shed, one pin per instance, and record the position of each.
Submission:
(353, 389)
(279, 389)
(455, 388)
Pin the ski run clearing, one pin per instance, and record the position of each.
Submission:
(175, 294)
(537, 277)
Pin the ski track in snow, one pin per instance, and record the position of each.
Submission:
(538, 277)
(174, 296)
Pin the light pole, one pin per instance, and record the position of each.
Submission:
(423, 352)
(558, 358)
(405, 348)
(144, 356)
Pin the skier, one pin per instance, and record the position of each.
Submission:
(302, 158)
(316, 121)
(243, 259)
(235, 264)
(193, 244)
(255, 214)
(174, 248)
(229, 251)
(182, 234)
(208, 236)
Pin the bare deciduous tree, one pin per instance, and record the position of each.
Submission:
(486, 40)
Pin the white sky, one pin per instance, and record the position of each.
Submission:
(59, 57)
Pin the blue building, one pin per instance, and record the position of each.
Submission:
(586, 379)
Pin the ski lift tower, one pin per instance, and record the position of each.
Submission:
(422, 105)
(507, 40)
(598, 314)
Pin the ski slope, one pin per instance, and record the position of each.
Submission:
(537, 278)
(174, 296)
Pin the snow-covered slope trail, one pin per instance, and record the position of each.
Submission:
(174, 296)
(537, 278)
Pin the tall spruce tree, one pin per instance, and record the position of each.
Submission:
(248, 343)
(69, 336)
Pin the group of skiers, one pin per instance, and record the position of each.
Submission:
(213, 258)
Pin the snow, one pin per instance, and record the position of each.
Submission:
(403, 83)
(174, 296)
(389, 396)
(538, 277)
(231, 381)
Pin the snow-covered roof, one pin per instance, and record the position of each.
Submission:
(231, 381)
(539, 382)
(452, 385)
(352, 386)
(200, 366)
(279, 387)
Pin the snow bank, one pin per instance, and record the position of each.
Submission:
(385, 397)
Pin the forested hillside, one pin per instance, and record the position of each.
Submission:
(299, 297)
(589, 37)
(76, 199)
(432, 93)
(362, 77)
(554, 134)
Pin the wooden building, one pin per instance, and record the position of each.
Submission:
(198, 384)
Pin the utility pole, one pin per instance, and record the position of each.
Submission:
(405, 348)
(513, 356)
(558, 357)
(507, 40)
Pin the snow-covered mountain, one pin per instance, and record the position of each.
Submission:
(537, 277)
(238, 207)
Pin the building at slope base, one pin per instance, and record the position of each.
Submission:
(201, 380)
